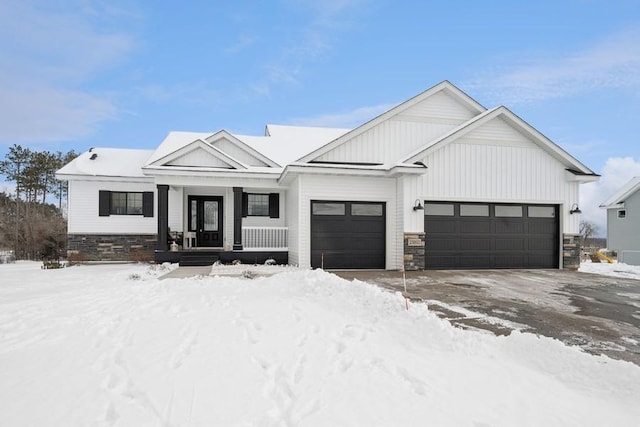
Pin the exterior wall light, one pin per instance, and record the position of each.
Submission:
(575, 209)
(417, 206)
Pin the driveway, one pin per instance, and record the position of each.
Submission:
(600, 314)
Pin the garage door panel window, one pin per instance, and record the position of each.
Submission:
(474, 210)
(507, 211)
(541, 211)
(328, 209)
(438, 209)
(366, 209)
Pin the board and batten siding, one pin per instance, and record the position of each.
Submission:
(346, 188)
(404, 133)
(495, 163)
(83, 215)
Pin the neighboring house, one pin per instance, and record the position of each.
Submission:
(623, 222)
(438, 181)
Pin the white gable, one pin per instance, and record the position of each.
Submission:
(403, 129)
(404, 132)
(233, 150)
(199, 158)
(441, 107)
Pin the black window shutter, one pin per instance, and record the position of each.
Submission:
(274, 205)
(104, 203)
(147, 203)
(245, 204)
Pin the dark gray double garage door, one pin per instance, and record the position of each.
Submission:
(348, 234)
(491, 235)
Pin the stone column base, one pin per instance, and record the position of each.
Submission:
(571, 251)
(414, 251)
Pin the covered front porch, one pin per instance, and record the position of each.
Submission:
(204, 225)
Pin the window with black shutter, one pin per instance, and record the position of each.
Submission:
(254, 204)
(125, 203)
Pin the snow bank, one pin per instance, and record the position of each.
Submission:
(114, 346)
(614, 270)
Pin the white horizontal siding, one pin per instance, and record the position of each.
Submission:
(83, 209)
(345, 188)
(397, 137)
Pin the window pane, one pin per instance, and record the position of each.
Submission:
(134, 203)
(622, 213)
(328, 209)
(435, 209)
(210, 216)
(119, 203)
(542, 211)
(366, 209)
(474, 210)
(258, 204)
(508, 211)
(194, 215)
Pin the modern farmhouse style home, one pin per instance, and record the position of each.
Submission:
(437, 182)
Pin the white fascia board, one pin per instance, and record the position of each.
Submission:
(581, 178)
(102, 178)
(351, 170)
(613, 206)
(210, 173)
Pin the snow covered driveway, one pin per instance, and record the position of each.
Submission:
(114, 346)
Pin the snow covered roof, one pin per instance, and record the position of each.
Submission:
(286, 144)
(281, 144)
(115, 162)
(174, 141)
(627, 190)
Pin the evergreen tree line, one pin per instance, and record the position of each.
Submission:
(30, 225)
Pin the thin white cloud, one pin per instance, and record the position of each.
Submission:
(617, 171)
(243, 42)
(327, 20)
(613, 63)
(54, 52)
(348, 119)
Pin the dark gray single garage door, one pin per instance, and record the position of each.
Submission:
(347, 234)
(491, 235)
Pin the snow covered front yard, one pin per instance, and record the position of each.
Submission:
(112, 345)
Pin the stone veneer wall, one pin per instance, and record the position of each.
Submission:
(112, 247)
(571, 251)
(414, 251)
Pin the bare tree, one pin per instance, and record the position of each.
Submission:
(587, 229)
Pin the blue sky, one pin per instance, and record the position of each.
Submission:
(81, 73)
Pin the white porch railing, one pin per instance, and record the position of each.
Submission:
(265, 238)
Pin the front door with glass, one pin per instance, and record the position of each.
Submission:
(205, 219)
